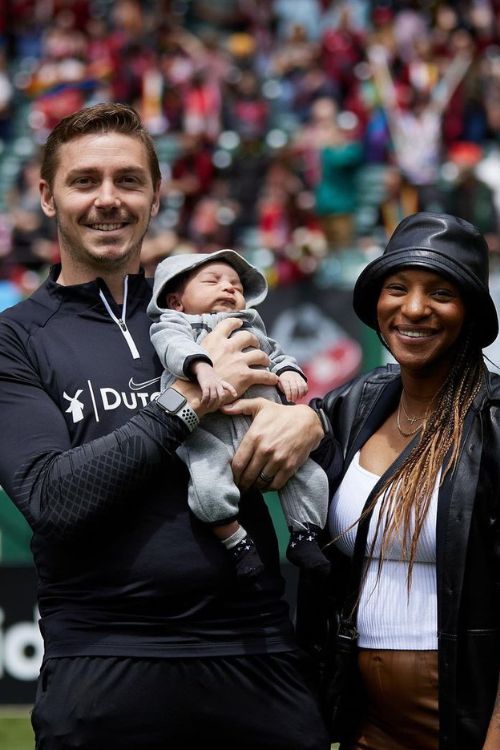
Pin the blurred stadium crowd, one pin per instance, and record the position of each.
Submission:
(294, 131)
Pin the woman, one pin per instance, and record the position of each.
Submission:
(418, 448)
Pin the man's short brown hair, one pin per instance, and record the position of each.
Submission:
(107, 117)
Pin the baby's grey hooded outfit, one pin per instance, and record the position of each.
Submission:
(213, 496)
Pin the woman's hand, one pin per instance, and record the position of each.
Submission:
(237, 359)
(492, 741)
(277, 443)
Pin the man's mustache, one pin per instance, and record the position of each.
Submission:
(113, 216)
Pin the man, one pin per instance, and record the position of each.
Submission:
(149, 641)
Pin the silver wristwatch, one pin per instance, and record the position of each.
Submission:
(173, 402)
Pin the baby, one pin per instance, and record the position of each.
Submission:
(191, 294)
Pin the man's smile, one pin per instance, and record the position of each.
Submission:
(107, 227)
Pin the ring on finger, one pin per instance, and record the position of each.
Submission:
(265, 478)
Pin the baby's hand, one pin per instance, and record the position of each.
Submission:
(214, 391)
(292, 385)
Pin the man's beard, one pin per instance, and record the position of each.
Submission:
(90, 257)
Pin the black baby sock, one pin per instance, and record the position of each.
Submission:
(304, 550)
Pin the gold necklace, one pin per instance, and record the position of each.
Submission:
(411, 420)
(398, 424)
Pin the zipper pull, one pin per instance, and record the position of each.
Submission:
(121, 321)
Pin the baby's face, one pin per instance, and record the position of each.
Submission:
(213, 287)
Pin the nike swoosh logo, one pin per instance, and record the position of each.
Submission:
(139, 386)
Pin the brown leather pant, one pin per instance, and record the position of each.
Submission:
(402, 701)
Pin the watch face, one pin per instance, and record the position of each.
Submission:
(171, 400)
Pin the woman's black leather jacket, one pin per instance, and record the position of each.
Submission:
(468, 550)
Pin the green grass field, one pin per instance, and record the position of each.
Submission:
(16, 732)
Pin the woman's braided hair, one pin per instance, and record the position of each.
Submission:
(405, 497)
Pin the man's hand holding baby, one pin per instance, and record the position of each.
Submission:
(237, 358)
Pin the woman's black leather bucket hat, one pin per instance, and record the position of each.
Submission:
(441, 243)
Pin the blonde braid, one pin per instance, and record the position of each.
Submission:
(405, 497)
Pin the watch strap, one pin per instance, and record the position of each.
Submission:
(184, 411)
(325, 422)
(189, 417)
